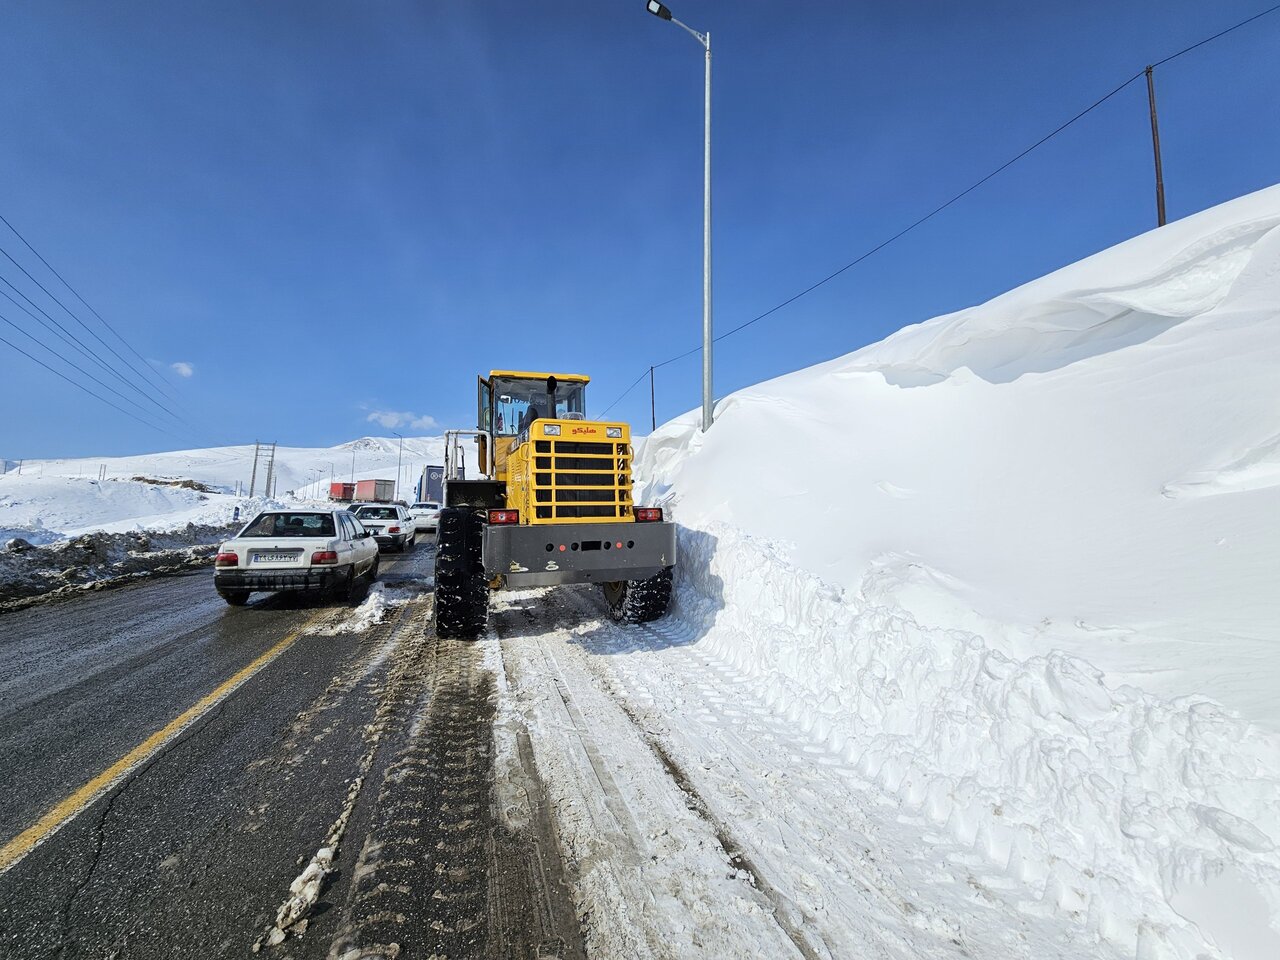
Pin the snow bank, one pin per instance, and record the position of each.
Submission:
(1017, 562)
(1115, 805)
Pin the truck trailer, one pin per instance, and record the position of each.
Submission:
(375, 491)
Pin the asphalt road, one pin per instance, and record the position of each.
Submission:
(302, 734)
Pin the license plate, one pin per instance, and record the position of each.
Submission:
(275, 557)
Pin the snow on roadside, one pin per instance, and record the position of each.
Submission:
(1017, 564)
(1116, 805)
(372, 610)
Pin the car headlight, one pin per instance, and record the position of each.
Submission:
(551, 429)
(614, 433)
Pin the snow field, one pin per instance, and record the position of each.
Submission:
(55, 499)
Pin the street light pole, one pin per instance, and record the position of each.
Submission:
(399, 456)
(662, 13)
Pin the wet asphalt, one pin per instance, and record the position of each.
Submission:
(191, 854)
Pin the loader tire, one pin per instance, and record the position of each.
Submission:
(462, 593)
(639, 601)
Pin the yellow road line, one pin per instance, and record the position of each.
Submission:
(68, 808)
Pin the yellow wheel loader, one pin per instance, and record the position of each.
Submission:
(552, 504)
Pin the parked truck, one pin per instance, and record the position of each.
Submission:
(431, 484)
(375, 491)
(345, 492)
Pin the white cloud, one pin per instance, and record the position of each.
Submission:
(393, 418)
(183, 369)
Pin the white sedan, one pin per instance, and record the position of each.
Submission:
(426, 515)
(317, 551)
(389, 523)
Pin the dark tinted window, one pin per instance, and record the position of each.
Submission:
(291, 525)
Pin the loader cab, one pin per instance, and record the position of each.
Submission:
(509, 402)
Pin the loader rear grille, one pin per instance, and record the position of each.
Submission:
(577, 480)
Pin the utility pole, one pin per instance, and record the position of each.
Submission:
(271, 472)
(353, 464)
(653, 413)
(1155, 144)
(253, 477)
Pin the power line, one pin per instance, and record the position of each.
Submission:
(72, 340)
(937, 210)
(71, 363)
(1221, 33)
(87, 328)
(630, 388)
(157, 376)
(86, 389)
(159, 380)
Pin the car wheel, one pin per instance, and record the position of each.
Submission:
(237, 598)
(372, 576)
(353, 588)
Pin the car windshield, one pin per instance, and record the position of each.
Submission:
(290, 525)
(376, 513)
(426, 506)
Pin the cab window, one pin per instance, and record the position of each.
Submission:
(518, 402)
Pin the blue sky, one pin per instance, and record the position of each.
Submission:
(332, 210)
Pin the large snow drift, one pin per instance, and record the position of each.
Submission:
(1019, 562)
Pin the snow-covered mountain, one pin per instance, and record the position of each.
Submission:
(1019, 563)
(51, 499)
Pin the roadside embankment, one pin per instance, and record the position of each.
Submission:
(32, 574)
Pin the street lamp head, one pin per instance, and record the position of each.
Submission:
(658, 10)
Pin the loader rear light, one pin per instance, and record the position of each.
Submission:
(503, 517)
(648, 514)
(321, 557)
(227, 560)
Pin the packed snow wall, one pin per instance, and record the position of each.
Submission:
(1019, 564)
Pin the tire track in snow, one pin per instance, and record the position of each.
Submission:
(653, 880)
(871, 874)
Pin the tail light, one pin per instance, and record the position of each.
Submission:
(648, 514)
(393, 529)
(324, 556)
(501, 517)
(227, 560)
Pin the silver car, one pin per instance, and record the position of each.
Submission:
(314, 551)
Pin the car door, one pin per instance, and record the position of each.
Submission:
(353, 545)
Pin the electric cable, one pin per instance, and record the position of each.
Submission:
(160, 380)
(81, 386)
(72, 340)
(90, 330)
(937, 210)
(72, 363)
